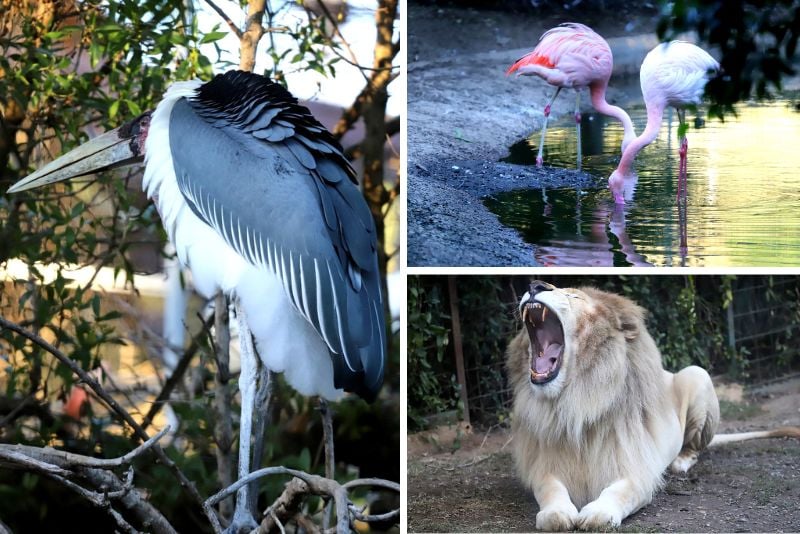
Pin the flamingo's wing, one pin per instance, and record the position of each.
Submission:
(570, 55)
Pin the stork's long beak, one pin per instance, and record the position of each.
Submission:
(116, 148)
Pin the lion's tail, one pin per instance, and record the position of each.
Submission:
(781, 432)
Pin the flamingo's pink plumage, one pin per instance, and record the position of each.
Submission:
(672, 74)
(574, 56)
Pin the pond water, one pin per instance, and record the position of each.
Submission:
(743, 206)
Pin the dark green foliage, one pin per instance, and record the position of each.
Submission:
(431, 385)
(758, 41)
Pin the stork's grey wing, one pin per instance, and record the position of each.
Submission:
(260, 170)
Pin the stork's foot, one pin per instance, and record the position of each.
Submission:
(539, 161)
(242, 522)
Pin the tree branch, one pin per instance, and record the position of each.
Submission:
(64, 466)
(381, 77)
(223, 400)
(110, 402)
(252, 34)
(227, 19)
(71, 460)
(287, 502)
(176, 376)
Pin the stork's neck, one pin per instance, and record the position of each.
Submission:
(598, 93)
(654, 114)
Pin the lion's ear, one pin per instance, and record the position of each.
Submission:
(631, 319)
(630, 329)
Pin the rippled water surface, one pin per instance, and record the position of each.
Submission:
(743, 204)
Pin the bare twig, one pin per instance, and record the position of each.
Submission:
(330, 460)
(374, 482)
(70, 460)
(392, 128)
(18, 458)
(277, 522)
(223, 426)
(288, 503)
(286, 506)
(10, 416)
(317, 486)
(367, 518)
(306, 524)
(110, 402)
(227, 19)
(63, 467)
(353, 58)
(176, 376)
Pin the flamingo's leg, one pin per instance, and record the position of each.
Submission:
(544, 128)
(682, 151)
(578, 124)
(242, 518)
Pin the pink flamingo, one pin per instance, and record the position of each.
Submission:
(673, 74)
(573, 55)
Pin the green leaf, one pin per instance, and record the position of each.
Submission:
(133, 106)
(112, 109)
(210, 37)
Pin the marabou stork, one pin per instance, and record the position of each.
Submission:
(260, 202)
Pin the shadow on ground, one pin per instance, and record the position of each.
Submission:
(746, 487)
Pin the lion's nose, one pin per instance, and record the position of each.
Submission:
(537, 286)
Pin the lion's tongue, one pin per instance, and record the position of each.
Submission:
(544, 363)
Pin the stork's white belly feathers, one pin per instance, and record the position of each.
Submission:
(286, 341)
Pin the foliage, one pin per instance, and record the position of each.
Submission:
(487, 323)
(688, 317)
(311, 46)
(429, 391)
(758, 42)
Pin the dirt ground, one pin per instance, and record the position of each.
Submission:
(746, 487)
(463, 110)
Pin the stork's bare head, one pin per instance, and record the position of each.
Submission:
(117, 148)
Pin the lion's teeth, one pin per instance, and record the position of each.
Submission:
(533, 373)
(544, 314)
(525, 313)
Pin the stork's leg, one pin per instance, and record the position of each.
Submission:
(330, 460)
(544, 128)
(261, 416)
(242, 518)
(578, 124)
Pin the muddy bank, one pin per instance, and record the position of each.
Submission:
(746, 487)
(462, 107)
(451, 225)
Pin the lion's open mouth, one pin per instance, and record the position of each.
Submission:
(547, 341)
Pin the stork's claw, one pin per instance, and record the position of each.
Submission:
(241, 523)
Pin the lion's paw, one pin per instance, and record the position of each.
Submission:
(598, 516)
(557, 518)
(683, 463)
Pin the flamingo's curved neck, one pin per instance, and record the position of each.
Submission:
(598, 93)
(654, 114)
